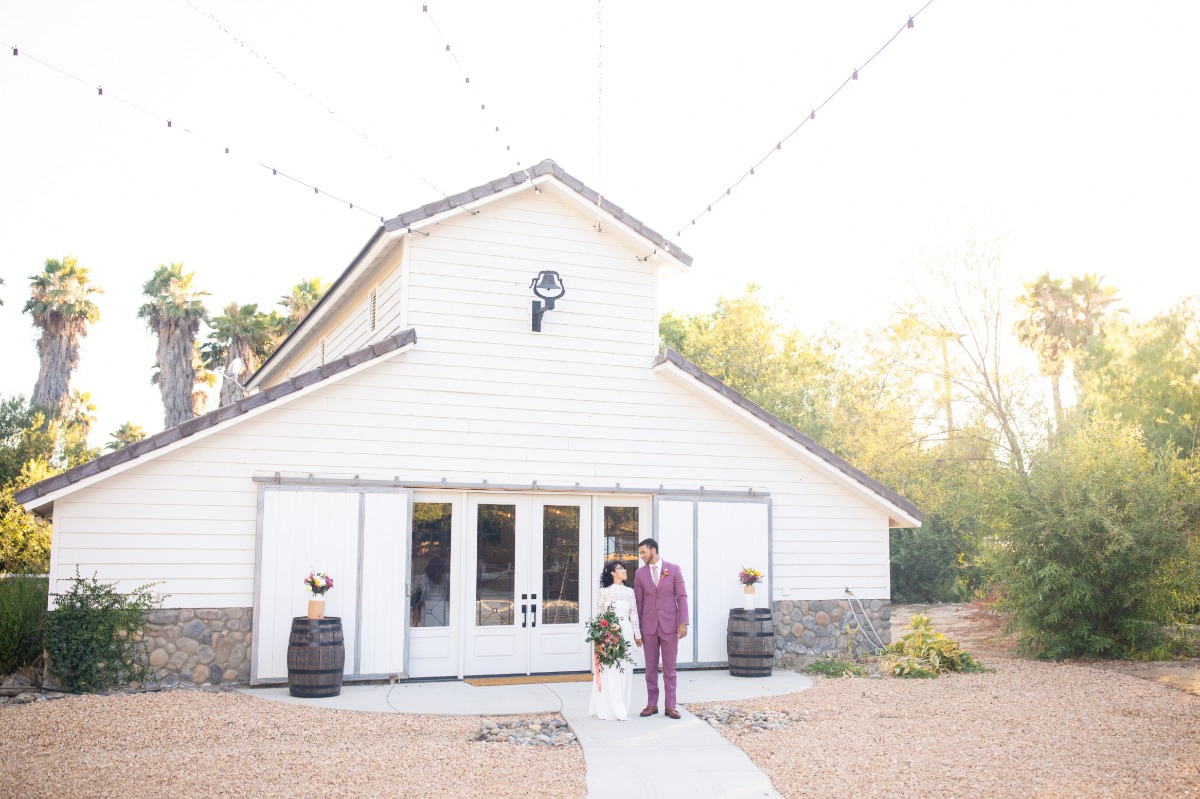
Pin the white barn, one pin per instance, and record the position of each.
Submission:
(464, 478)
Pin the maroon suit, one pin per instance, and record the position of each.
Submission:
(661, 609)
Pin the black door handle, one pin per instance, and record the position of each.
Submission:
(534, 607)
(525, 616)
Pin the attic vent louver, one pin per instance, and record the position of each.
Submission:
(372, 309)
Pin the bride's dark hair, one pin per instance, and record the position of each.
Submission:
(606, 578)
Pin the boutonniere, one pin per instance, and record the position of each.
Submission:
(665, 571)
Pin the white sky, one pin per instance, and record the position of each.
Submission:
(1069, 128)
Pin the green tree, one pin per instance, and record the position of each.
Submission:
(34, 444)
(128, 433)
(297, 304)
(1148, 373)
(1101, 553)
(61, 306)
(242, 334)
(1045, 327)
(174, 314)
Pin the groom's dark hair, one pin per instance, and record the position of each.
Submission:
(649, 542)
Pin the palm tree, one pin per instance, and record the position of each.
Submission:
(240, 334)
(128, 433)
(174, 314)
(1045, 327)
(303, 297)
(61, 307)
(1091, 306)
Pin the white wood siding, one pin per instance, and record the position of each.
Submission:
(480, 397)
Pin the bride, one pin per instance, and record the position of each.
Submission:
(612, 691)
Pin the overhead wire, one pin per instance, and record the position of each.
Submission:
(778, 146)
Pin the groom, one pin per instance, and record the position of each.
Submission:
(662, 607)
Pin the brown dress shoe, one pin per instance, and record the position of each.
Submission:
(672, 713)
(650, 711)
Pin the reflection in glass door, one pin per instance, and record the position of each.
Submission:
(435, 620)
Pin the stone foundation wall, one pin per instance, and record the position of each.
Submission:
(199, 645)
(817, 626)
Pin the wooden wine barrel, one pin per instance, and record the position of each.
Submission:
(750, 643)
(316, 656)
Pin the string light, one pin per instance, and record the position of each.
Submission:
(908, 25)
(263, 59)
(170, 123)
(466, 78)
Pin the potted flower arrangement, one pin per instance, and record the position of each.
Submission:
(609, 647)
(317, 583)
(748, 577)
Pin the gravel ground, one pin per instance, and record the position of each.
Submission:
(1022, 729)
(202, 744)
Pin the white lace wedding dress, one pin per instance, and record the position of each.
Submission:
(613, 692)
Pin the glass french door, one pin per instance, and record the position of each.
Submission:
(526, 593)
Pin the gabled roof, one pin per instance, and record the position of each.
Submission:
(468, 201)
(547, 167)
(220, 416)
(673, 358)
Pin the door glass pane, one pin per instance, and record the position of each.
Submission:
(497, 547)
(621, 537)
(430, 578)
(560, 564)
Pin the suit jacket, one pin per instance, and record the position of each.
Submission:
(663, 608)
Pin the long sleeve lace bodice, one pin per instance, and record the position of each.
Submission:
(621, 598)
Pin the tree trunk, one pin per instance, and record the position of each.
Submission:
(58, 350)
(176, 375)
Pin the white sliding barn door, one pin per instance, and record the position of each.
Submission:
(730, 536)
(302, 531)
(713, 540)
(676, 536)
(384, 602)
(359, 538)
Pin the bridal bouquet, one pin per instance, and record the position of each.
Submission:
(604, 633)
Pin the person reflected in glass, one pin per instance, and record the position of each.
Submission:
(612, 686)
(435, 594)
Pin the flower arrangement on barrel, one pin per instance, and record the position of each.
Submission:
(317, 583)
(609, 647)
(749, 576)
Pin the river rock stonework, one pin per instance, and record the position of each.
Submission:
(817, 626)
(199, 645)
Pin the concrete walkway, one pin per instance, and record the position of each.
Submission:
(654, 757)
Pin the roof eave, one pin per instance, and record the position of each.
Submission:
(40, 497)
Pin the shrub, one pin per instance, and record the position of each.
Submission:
(924, 652)
(22, 621)
(93, 636)
(830, 665)
(1102, 553)
(933, 563)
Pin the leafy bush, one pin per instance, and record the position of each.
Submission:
(93, 636)
(924, 652)
(830, 665)
(24, 538)
(1102, 555)
(926, 561)
(22, 621)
